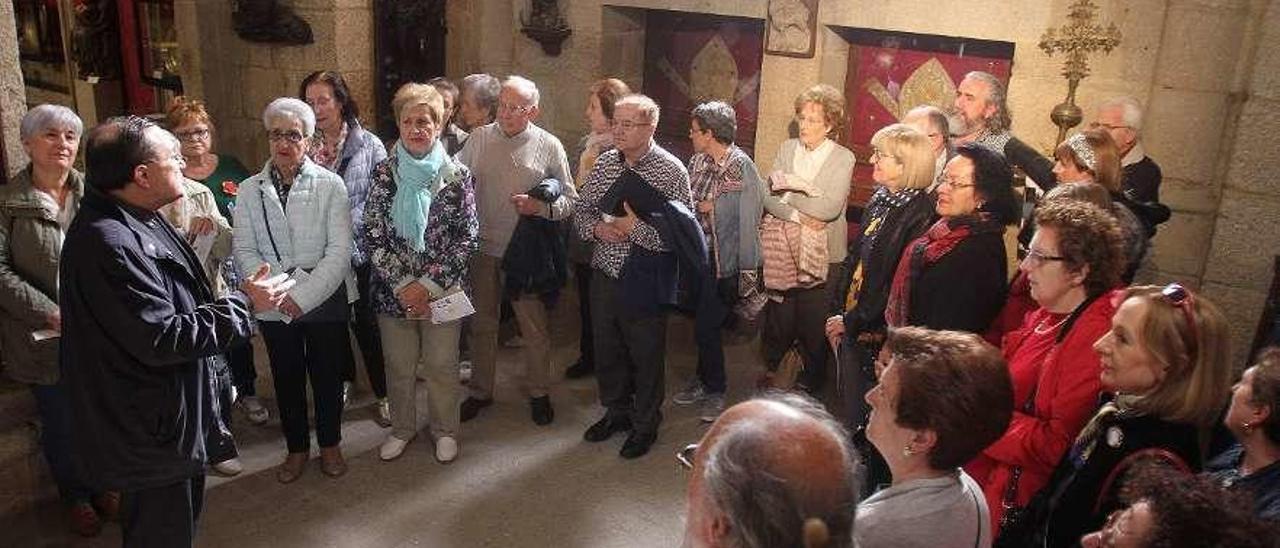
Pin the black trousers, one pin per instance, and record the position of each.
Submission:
(162, 517)
(582, 273)
(243, 374)
(708, 329)
(219, 443)
(299, 351)
(801, 316)
(364, 324)
(630, 356)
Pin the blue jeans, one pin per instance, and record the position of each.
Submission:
(55, 439)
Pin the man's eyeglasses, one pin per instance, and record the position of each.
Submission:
(685, 456)
(1108, 127)
(293, 137)
(628, 125)
(1178, 296)
(177, 159)
(518, 109)
(193, 135)
(1036, 257)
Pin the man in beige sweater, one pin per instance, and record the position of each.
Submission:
(507, 158)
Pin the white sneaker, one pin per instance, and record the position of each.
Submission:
(446, 449)
(229, 467)
(691, 394)
(392, 448)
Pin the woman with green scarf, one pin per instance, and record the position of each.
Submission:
(420, 228)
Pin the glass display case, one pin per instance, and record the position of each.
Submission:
(159, 57)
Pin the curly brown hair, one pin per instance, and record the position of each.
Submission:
(1193, 511)
(1089, 237)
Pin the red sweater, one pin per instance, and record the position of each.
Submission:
(1065, 379)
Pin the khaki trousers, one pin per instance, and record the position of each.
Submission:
(414, 349)
(531, 315)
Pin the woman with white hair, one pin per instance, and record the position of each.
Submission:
(294, 217)
(36, 208)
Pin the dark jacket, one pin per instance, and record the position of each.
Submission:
(965, 289)
(900, 226)
(1263, 486)
(681, 277)
(1034, 164)
(534, 262)
(1141, 180)
(139, 325)
(1065, 509)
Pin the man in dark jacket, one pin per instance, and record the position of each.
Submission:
(139, 325)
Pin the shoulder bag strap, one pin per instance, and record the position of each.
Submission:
(1150, 453)
(266, 220)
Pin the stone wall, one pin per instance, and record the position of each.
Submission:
(13, 99)
(238, 78)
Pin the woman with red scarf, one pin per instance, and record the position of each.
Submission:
(954, 276)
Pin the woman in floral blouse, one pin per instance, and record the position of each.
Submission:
(420, 228)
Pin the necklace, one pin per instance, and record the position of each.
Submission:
(1040, 327)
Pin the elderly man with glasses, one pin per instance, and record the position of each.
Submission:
(633, 263)
(772, 471)
(507, 159)
(1140, 176)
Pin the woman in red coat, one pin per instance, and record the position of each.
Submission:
(1074, 263)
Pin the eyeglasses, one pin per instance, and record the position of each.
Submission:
(1108, 127)
(628, 125)
(685, 456)
(518, 109)
(955, 184)
(193, 135)
(877, 155)
(293, 137)
(1035, 258)
(420, 125)
(177, 158)
(1177, 295)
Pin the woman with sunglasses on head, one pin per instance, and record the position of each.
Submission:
(1253, 465)
(294, 217)
(1072, 268)
(1165, 362)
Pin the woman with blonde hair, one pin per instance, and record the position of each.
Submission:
(420, 229)
(1166, 362)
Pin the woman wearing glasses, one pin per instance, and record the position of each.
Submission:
(294, 216)
(1073, 266)
(1166, 362)
(953, 277)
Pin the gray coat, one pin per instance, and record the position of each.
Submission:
(833, 179)
(30, 243)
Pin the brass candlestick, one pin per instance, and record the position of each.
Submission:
(1077, 39)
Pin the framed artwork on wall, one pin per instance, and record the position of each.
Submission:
(791, 29)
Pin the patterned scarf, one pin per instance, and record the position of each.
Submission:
(927, 250)
(882, 202)
(412, 204)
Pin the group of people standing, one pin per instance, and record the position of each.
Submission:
(972, 398)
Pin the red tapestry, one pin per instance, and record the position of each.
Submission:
(690, 59)
(884, 82)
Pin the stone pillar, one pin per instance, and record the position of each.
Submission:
(13, 95)
(1245, 234)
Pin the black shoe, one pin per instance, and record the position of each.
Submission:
(541, 411)
(580, 369)
(471, 407)
(606, 427)
(637, 444)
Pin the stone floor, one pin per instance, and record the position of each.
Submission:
(515, 484)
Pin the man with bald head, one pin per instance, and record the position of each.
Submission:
(932, 122)
(772, 471)
(980, 114)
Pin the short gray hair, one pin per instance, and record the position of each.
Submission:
(293, 109)
(643, 103)
(524, 86)
(1002, 120)
(484, 89)
(718, 118)
(44, 117)
(937, 120)
(765, 507)
(1130, 111)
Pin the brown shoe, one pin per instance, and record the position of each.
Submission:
(331, 462)
(108, 505)
(292, 468)
(84, 520)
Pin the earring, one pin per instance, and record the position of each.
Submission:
(907, 451)
(1247, 426)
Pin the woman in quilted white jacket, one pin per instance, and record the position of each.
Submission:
(294, 216)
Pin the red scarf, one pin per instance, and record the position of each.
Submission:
(926, 250)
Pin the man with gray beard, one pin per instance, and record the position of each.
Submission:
(980, 114)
